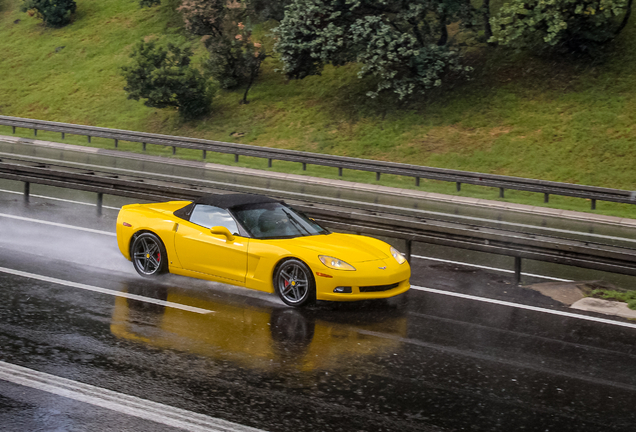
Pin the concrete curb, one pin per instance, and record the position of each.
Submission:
(606, 307)
(431, 196)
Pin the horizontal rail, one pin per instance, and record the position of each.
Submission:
(362, 220)
(547, 188)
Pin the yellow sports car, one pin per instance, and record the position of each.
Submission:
(260, 243)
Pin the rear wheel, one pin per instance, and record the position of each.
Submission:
(149, 255)
(294, 283)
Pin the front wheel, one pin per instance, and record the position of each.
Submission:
(294, 283)
(149, 255)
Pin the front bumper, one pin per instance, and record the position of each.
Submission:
(378, 281)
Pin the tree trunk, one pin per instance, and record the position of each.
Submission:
(253, 75)
(625, 18)
(444, 36)
(487, 28)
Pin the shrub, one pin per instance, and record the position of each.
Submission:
(565, 25)
(165, 78)
(54, 13)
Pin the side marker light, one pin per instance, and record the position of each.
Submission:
(126, 224)
(323, 275)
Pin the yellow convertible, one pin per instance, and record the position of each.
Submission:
(259, 243)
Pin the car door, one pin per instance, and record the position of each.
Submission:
(201, 251)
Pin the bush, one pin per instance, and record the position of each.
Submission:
(164, 77)
(54, 13)
(403, 44)
(563, 25)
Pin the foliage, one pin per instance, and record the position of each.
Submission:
(265, 10)
(235, 59)
(568, 25)
(149, 3)
(54, 13)
(203, 17)
(164, 77)
(403, 44)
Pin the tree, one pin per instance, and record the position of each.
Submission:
(54, 13)
(402, 43)
(165, 78)
(235, 59)
(565, 25)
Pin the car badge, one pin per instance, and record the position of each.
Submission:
(382, 268)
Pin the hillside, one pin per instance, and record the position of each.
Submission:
(570, 121)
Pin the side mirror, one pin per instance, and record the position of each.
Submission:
(219, 230)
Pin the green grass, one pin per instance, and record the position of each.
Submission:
(555, 119)
(628, 297)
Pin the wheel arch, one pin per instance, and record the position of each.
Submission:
(282, 260)
(138, 233)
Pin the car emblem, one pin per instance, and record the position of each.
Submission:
(382, 268)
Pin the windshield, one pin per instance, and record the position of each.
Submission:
(275, 220)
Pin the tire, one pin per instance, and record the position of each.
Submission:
(149, 255)
(294, 283)
(292, 332)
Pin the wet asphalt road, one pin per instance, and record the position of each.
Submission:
(429, 362)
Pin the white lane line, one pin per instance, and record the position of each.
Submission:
(119, 402)
(414, 256)
(58, 199)
(522, 306)
(490, 268)
(56, 224)
(105, 291)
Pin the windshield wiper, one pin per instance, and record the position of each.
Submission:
(296, 223)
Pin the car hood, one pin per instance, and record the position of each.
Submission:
(347, 247)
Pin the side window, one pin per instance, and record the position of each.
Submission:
(209, 216)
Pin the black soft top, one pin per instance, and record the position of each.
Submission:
(228, 201)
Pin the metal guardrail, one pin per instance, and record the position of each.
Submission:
(360, 220)
(417, 172)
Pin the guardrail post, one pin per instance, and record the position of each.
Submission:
(377, 176)
(593, 204)
(13, 129)
(517, 270)
(409, 247)
(417, 181)
(63, 135)
(269, 163)
(100, 201)
(501, 192)
(458, 186)
(340, 172)
(89, 138)
(143, 146)
(116, 142)
(304, 166)
(35, 132)
(27, 190)
(546, 198)
(174, 150)
(205, 153)
(236, 158)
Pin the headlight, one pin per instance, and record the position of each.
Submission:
(397, 255)
(335, 263)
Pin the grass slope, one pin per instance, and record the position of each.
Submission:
(523, 116)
